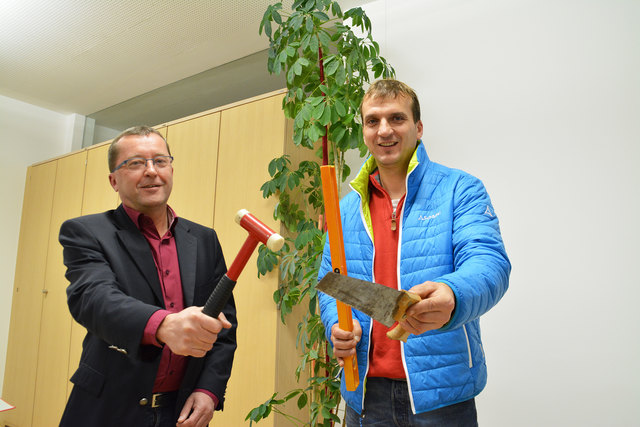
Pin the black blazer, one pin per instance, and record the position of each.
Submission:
(114, 289)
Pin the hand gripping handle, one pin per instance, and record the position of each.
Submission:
(219, 297)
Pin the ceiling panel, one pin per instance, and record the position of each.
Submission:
(85, 56)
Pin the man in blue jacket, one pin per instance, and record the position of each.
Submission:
(416, 225)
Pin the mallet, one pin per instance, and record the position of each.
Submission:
(258, 232)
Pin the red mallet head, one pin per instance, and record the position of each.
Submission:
(259, 231)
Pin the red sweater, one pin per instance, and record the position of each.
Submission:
(385, 358)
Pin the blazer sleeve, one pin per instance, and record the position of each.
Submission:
(95, 297)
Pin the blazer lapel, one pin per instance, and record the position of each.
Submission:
(187, 246)
(138, 248)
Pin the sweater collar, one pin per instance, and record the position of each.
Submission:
(360, 183)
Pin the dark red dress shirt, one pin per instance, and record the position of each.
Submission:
(165, 255)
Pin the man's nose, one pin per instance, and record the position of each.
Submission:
(384, 129)
(150, 167)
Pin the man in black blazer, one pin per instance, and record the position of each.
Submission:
(138, 278)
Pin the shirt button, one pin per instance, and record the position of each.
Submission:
(143, 401)
(166, 272)
(172, 305)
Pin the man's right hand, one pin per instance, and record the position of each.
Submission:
(190, 332)
(344, 342)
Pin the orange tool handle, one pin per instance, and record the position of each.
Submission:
(338, 262)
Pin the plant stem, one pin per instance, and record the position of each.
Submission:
(325, 150)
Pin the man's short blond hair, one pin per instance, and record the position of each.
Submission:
(390, 88)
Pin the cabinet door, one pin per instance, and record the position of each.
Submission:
(22, 351)
(250, 136)
(55, 324)
(98, 196)
(194, 146)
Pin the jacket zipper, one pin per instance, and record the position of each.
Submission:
(466, 336)
(364, 385)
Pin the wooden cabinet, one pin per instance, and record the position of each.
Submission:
(250, 138)
(26, 312)
(221, 159)
(55, 324)
(194, 146)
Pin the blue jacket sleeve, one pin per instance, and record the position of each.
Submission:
(481, 266)
(328, 309)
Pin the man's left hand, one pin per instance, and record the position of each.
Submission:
(197, 411)
(433, 312)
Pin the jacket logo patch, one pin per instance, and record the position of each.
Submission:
(426, 218)
(488, 212)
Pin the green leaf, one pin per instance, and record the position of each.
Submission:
(335, 9)
(276, 17)
(272, 167)
(254, 415)
(290, 51)
(297, 136)
(331, 68)
(315, 100)
(267, 28)
(282, 57)
(306, 112)
(290, 75)
(296, 20)
(299, 121)
(308, 23)
(305, 42)
(321, 16)
(326, 414)
(297, 68)
(265, 18)
(304, 62)
(302, 401)
(346, 171)
(339, 106)
(338, 133)
(324, 37)
(314, 44)
(292, 394)
(346, 120)
(326, 115)
(341, 75)
(318, 111)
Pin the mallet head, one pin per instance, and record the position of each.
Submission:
(259, 230)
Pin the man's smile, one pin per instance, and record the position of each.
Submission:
(387, 144)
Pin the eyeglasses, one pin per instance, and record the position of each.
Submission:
(140, 163)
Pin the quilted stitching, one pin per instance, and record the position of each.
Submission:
(448, 237)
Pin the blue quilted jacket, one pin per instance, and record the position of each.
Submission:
(449, 233)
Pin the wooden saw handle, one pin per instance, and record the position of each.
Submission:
(406, 300)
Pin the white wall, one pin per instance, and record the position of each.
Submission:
(541, 100)
(28, 134)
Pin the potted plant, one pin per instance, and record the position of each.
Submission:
(327, 57)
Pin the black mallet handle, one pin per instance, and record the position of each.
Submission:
(219, 297)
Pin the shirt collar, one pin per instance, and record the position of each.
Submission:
(144, 223)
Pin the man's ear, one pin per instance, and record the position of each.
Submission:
(419, 128)
(113, 182)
